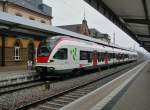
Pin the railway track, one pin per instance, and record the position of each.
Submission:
(16, 87)
(62, 98)
(17, 79)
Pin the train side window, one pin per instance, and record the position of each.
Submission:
(83, 55)
(61, 54)
(89, 57)
(114, 55)
(99, 57)
(110, 56)
(102, 57)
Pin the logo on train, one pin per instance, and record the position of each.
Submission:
(73, 52)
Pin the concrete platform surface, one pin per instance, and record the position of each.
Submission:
(137, 96)
(101, 97)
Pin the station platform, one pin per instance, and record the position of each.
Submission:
(130, 91)
(12, 68)
(137, 95)
(11, 71)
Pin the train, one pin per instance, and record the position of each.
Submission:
(58, 55)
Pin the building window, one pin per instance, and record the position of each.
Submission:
(31, 18)
(17, 52)
(42, 21)
(19, 14)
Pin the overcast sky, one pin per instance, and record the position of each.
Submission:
(67, 12)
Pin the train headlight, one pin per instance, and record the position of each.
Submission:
(49, 61)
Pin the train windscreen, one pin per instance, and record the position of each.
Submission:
(46, 47)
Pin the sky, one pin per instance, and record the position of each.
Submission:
(66, 12)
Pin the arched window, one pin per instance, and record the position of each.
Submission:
(17, 52)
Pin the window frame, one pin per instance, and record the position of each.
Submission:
(83, 55)
(17, 55)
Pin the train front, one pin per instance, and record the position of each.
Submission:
(43, 63)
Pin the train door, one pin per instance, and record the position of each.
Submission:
(94, 58)
(61, 58)
(106, 58)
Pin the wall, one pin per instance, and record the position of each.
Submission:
(1, 8)
(24, 41)
(0, 41)
(13, 9)
(9, 50)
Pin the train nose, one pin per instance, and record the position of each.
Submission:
(42, 59)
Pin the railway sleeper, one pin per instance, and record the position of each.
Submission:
(43, 107)
(76, 94)
(71, 96)
(61, 101)
(52, 105)
(55, 103)
(81, 91)
(66, 98)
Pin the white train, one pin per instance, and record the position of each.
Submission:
(63, 54)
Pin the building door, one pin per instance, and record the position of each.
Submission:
(31, 52)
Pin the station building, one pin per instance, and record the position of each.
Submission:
(98, 35)
(78, 28)
(85, 30)
(17, 47)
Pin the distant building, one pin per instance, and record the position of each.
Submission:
(78, 28)
(84, 29)
(21, 48)
(98, 35)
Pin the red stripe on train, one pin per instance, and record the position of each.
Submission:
(42, 59)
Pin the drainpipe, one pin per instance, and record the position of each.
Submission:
(3, 37)
(4, 5)
(3, 50)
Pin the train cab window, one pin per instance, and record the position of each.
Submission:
(61, 54)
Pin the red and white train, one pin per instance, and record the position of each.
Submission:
(63, 54)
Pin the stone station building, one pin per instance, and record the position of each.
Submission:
(18, 46)
(85, 30)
